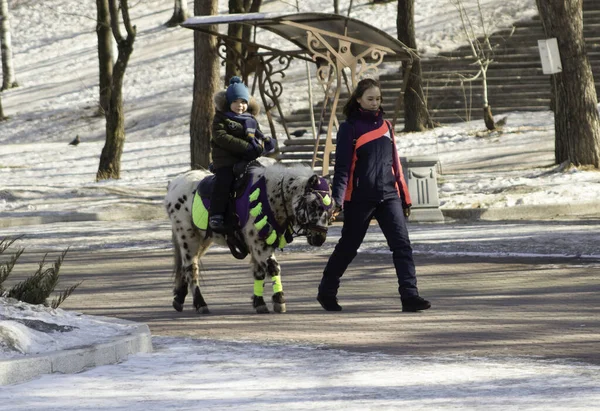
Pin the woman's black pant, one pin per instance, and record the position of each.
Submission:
(357, 216)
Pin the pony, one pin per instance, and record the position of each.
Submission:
(275, 204)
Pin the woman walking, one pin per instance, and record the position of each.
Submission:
(368, 182)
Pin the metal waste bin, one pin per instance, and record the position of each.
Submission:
(420, 173)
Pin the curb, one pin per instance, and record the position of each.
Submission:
(420, 215)
(129, 213)
(19, 370)
(524, 212)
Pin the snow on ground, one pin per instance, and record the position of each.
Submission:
(184, 374)
(55, 60)
(34, 329)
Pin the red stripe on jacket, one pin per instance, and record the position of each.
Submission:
(401, 186)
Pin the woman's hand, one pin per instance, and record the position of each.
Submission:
(336, 211)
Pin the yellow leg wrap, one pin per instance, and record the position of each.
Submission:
(259, 286)
(277, 287)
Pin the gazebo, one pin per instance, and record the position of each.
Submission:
(344, 50)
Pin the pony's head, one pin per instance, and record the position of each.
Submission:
(314, 210)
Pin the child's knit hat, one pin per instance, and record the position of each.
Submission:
(236, 90)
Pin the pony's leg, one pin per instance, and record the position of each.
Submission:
(180, 288)
(274, 272)
(179, 293)
(190, 246)
(199, 303)
(259, 272)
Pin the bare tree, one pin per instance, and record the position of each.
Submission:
(180, 13)
(234, 49)
(238, 53)
(206, 83)
(105, 54)
(482, 53)
(8, 72)
(416, 116)
(576, 120)
(2, 116)
(110, 159)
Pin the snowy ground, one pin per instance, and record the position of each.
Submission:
(40, 174)
(187, 374)
(34, 329)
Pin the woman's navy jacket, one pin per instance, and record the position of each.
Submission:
(367, 167)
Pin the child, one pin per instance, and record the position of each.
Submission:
(366, 154)
(236, 137)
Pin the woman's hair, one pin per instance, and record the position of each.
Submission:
(352, 104)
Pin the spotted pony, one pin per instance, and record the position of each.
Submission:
(276, 204)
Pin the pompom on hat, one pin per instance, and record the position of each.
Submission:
(237, 90)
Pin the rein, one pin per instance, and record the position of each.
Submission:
(289, 220)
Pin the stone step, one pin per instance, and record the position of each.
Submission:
(449, 102)
(515, 79)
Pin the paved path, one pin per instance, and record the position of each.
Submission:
(481, 307)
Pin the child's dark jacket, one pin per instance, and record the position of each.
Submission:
(229, 141)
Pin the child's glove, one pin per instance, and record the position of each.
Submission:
(269, 145)
(253, 151)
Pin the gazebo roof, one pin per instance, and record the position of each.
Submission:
(293, 27)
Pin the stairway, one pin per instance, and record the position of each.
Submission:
(515, 78)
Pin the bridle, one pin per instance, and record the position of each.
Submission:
(308, 226)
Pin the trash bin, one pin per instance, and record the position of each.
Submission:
(420, 173)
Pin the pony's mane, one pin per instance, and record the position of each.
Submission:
(278, 170)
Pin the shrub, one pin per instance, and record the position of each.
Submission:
(37, 288)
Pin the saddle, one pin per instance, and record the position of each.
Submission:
(241, 172)
(201, 205)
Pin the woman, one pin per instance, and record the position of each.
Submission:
(368, 181)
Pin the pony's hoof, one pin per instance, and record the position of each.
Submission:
(262, 309)
(177, 306)
(279, 308)
(203, 310)
(278, 302)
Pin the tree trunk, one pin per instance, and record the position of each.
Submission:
(336, 6)
(576, 120)
(180, 13)
(488, 118)
(416, 116)
(234, 49)
(8, 72)
(251, 62)
(206, 84)
(105, 54)
(2, 116)
(110, 159)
